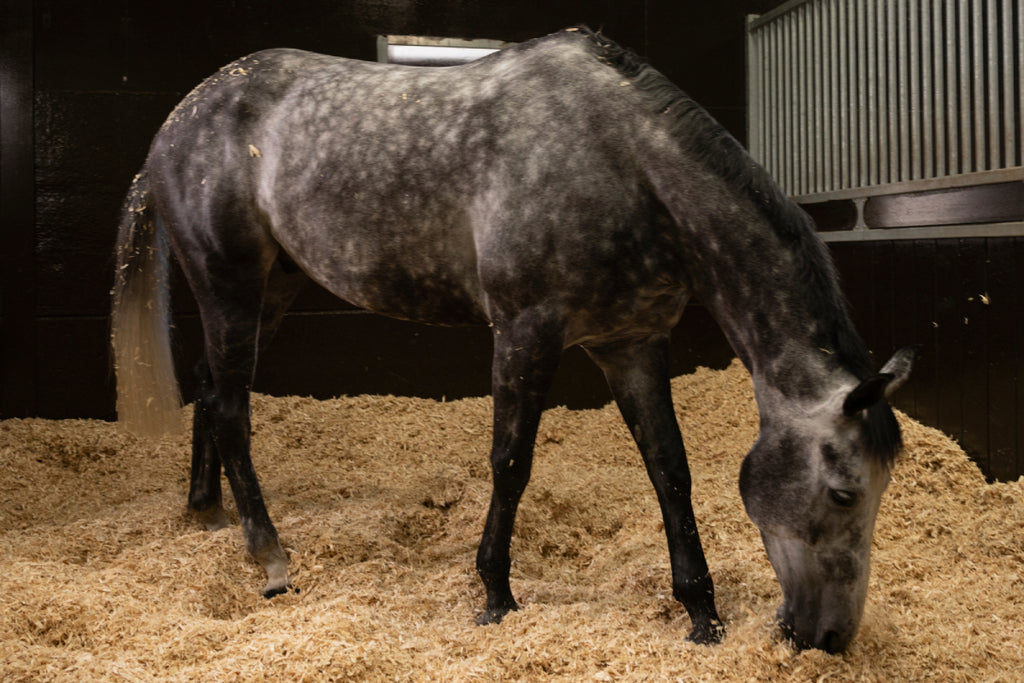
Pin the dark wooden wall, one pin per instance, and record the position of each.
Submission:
(85, 86)
(962, 300)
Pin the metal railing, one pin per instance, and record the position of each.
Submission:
(846, 94)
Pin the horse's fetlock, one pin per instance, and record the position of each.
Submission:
(494, 615)
(213, 517)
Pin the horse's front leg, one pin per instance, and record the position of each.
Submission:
(637, 373)
(526, 355)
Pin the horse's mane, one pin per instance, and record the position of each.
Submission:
(712, 145)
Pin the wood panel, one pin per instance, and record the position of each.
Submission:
(995, 203)
(86, 87)
(961, 300)
(1003, 299)
(17, 252)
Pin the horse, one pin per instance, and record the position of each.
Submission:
(561, 191)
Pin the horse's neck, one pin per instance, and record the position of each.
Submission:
(754, 261)
(766, 307)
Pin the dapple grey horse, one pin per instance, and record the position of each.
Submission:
(561, 191)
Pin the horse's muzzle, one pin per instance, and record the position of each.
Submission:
(830, 640)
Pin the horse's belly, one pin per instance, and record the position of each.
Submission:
(425, 302)
(626, 318)
(433, 295)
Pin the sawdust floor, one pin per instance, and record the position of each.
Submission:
(380, 501)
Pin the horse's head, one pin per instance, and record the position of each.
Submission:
(812, 484)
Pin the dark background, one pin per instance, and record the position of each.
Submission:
(86, 85)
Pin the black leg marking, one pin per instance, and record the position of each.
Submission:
(230, 302)
(526, 355)
(638, 376)
(205, 499)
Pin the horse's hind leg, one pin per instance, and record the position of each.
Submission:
(205, 499)
(637, 373)
(230, 297)
(526, 355)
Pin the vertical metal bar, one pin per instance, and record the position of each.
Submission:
(995, 147)
(794, 99)
(939, 103)
(861, 95)
(902, 59)
(800, 92)
(783, 109)
(753, 94)
(778, 137)
(807, 97)
(852, 105)
(800, 101)
(811, 80)
(785, 144)
(871, 27)
(844, 103)
(978, 75)
(766, 112)
(914, 94)
(881, 105)
(927, 93)
(951, 108)
(1009, 127)
(819, 100)
(892, 78)
(787, 89)
(834, 101)
(1020, 81)
(966, 110)
(771, 138)
(813, 108)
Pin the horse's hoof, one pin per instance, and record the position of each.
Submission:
(493, 616)
(270, 592)
(709, 633)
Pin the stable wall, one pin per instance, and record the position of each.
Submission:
(84, 89)
(87, 86)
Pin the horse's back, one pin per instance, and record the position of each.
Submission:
(427, 193)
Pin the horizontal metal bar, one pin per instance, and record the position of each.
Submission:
(1015, 229)
(755, 21)
(981, 178)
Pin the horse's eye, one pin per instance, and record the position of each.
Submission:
(842, 498)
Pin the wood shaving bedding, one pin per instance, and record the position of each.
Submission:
(380, 502)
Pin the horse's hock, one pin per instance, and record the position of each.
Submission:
(380, 502)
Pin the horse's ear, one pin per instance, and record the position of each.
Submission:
(875, 388)
(867, 393)
(899, 367)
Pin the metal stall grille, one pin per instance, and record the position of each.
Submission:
(846, 94)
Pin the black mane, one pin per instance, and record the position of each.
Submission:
(709, 142)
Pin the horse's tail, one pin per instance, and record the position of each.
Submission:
(148, 398)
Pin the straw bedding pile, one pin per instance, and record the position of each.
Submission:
(380, 501)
